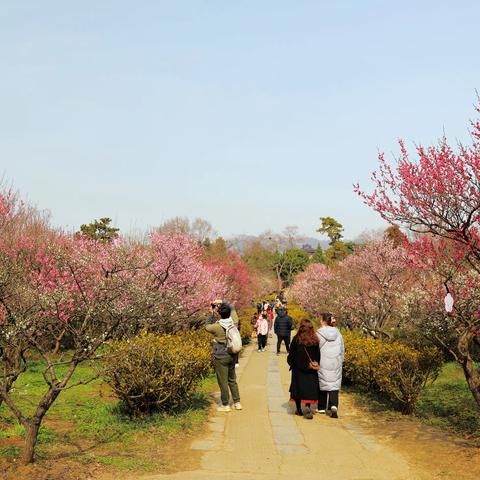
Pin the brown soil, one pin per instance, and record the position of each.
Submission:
(43, 470)
(443, 455)
(167, 454)
(11, 442)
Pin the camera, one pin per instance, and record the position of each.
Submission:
(215, 304)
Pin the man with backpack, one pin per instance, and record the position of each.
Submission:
(226, 345)
(234, 316)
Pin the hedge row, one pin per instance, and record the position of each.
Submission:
(392, 368)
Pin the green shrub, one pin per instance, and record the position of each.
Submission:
(157, 373)
(398, 371)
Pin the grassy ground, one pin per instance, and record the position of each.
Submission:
(86, 425)
(449, 403)
(446, 403)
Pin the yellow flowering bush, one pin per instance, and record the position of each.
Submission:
(246, 327)
(395, 369)
(298, 314)
(157, 372)
(361, 354)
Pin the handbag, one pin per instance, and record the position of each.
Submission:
(312, 364)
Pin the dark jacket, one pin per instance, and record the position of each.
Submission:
(304, 384)
(283, 323)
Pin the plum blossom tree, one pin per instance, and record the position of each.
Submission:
(371, 283)
(66, 284)
(89, 291)
(364, 290)
(439, 194)
(238, 281)
(20, 227)
(314, 289)
(442, 266)
(179, 282)
(227, 264)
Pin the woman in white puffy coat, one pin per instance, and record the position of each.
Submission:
(332, 352)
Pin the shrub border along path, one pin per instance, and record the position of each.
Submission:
(266, 441)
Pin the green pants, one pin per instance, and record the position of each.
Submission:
(226, 378)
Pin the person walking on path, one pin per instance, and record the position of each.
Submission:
(224, 362)
(270, 319)
(262, 331)
(283, 327)
(303, 359)
(332, 352)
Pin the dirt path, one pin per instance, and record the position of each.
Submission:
(265, 441)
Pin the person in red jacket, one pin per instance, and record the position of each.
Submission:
(270, 320)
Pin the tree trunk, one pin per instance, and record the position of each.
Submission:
(33, 424)
(58, 341)
(472, 374)
(31, 435)
(7, 385)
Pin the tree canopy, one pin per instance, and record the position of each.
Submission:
(99, 230)
(290, 263)
(332, 228)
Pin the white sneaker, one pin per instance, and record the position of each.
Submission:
(237, 365)
(224, 408)
(259, 350)
(320, 411)
(334, 411)
(237, 406)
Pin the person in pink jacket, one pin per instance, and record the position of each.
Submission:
(262, 331)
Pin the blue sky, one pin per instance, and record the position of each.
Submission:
(250, 114)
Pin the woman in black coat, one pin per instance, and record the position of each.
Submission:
(304, 351)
